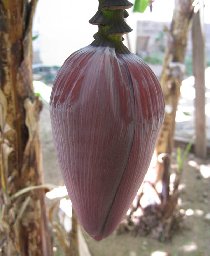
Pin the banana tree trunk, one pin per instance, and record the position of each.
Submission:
(173, 71)
(23, 222)
(198, 42)
(74, 239)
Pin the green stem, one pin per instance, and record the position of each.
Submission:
(110, 20)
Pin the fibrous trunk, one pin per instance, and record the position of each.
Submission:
(198, 44)
(23, 225)
(173, 71)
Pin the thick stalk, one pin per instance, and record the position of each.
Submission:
(74, 239)
(198, 42)
(110, 20)
(23, 227)
(171, 79)
(173, 71)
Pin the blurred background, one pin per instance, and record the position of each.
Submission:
(60, 27)
(61, 31)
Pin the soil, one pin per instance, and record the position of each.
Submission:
(192, 239)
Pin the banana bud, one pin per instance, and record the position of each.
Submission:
(106, 111)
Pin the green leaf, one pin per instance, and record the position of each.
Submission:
(179, 159)
(35, 37)
(187, 113)
(37, 94)
(140, 5)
